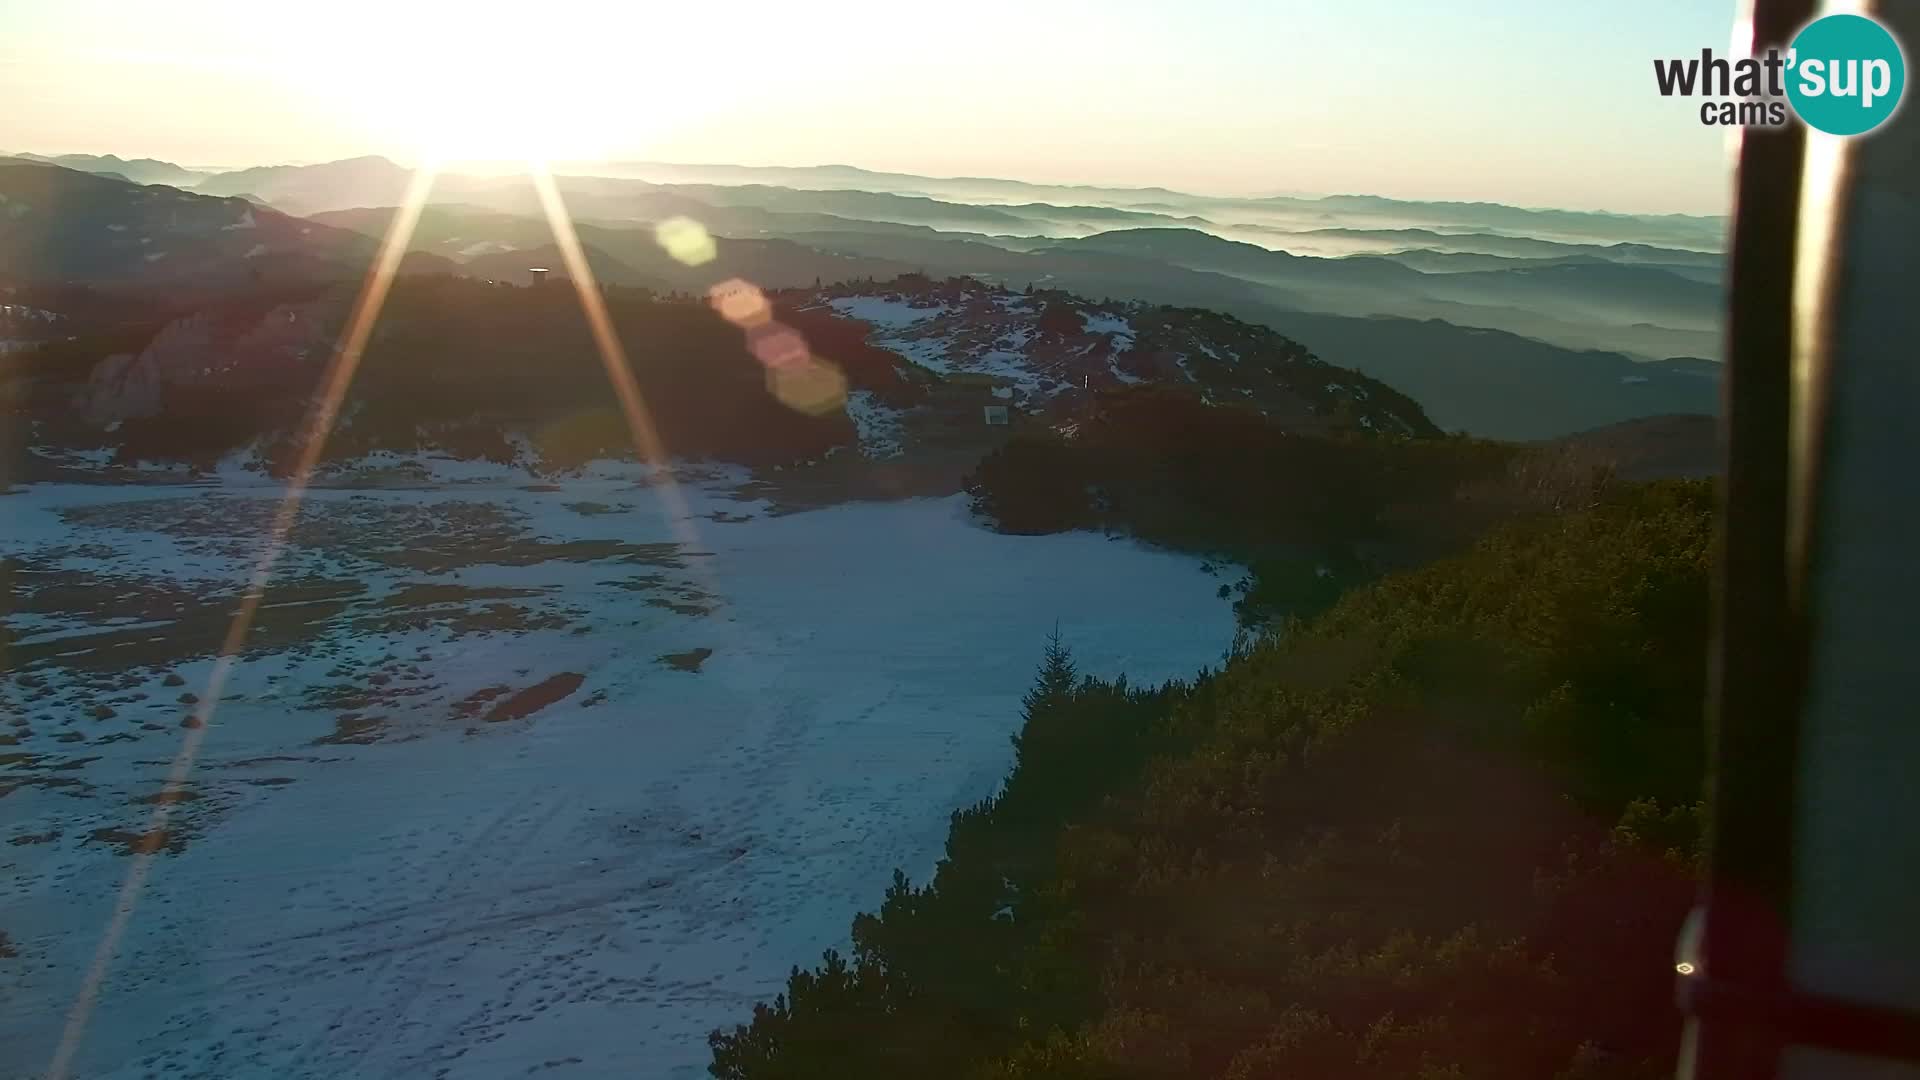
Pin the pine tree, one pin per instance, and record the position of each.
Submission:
(1056, 680)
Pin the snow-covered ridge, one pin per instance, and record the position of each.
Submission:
(1040, 351)
(997, 336)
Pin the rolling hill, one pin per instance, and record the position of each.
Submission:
(497, 245)
(1505, 336)
(138, 170)
(1047, 352)
(64, 225)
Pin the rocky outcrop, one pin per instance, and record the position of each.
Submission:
(203, 350)
(122, 387)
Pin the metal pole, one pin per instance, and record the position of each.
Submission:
(1753, 687)
(1809, 960)
(1856, 879)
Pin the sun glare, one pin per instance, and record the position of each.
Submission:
(504, 126)
(506, 122)
(508, 85)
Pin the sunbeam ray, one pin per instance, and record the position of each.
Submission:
(338, 377)
(646, 437)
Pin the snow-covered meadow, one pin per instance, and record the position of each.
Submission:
(515, 776)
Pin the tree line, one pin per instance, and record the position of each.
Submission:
(1446, 828)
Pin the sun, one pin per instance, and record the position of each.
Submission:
(527, 82)
(531, 122)
(538, 115)
(512, 81)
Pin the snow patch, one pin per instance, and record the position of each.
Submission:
(1117, 326)
(484, 247)
(884, 311)
(653, 842)
(877, 424)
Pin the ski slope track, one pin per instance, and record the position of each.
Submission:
(515, 777)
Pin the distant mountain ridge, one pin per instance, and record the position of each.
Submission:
(137, 170)
(1531, 336)
(1520, 246)
(60, 224)
(1561, 301)
(501, 246)
(851, 176)
(1708, 230)
(1481, 380)
(361, 181)
(252, 180)
(304, 189)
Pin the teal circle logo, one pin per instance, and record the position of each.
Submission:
(1846, 74)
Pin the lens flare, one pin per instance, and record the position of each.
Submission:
(686, 240)
(741, 303)
(812, 386)
(777, 346)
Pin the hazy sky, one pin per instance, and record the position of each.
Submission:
(1535, 102)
